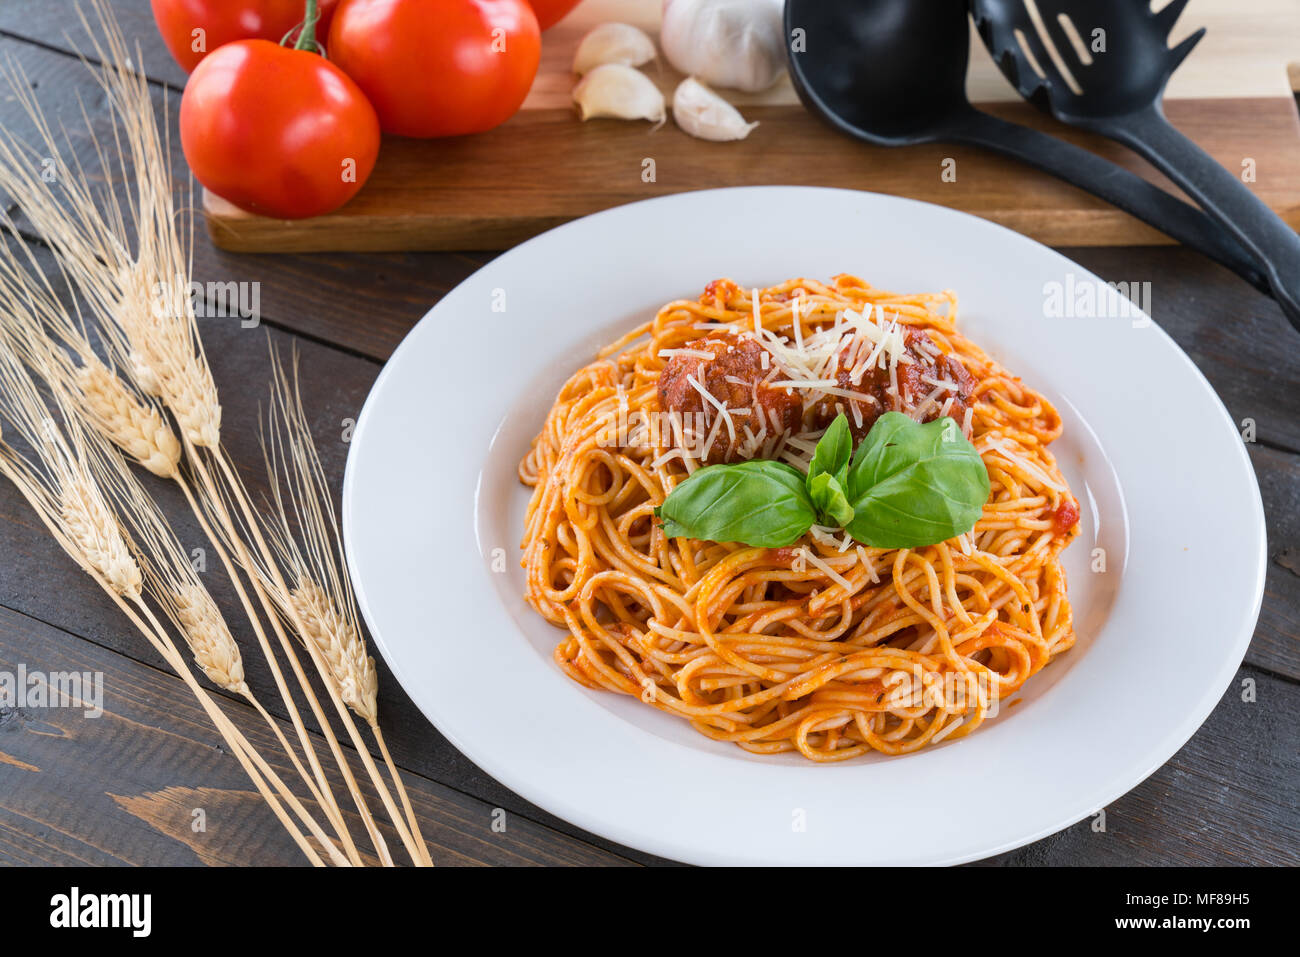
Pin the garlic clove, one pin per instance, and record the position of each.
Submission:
(705, 115)
(613, 43)
(738, 44)
(620, 92)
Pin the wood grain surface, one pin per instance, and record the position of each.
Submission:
(122, 788)
(489, 192)
(485, 192)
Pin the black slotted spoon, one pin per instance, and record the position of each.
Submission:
(1112, 82)
(893, 73)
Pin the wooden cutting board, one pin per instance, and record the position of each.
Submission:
(545, 167)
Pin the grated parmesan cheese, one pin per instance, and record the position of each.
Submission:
(824, 568)
(692, 353)
(865, 559)
(709, 398)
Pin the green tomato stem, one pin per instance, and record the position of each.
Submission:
(307, 33)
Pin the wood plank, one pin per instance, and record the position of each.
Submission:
(1226, 798)
(1197, 298)
(155, 759)
(54, 24)
(484, 192)
(367, 303)
(1244, 53)
(1276, 644)
(1229, 786)
(36, 578)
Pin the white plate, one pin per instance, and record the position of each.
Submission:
(432, 503)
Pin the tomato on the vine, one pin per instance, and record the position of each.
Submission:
(277, 131)
(551, 12)
(438, 69)
(192, 29)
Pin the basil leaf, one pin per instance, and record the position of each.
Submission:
(828, 498)
(831, 456)
(760, 502)
(912, 484)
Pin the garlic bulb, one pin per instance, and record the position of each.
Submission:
(729, 43)
(705, 115)
(621, 92)
(613, 43)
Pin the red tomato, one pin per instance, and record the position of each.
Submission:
(277, 131)
(438, 67)
(194, 28)
(551, 12)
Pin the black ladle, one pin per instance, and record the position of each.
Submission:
(893, 73)
(1115, 87)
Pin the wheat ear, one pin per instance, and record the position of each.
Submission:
(341, 647)
(56, 479)
(132, 421)
(93, 254)
(165, 348)
(161, 348)
(311, 550)
(138, 429)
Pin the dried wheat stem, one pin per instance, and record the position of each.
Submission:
(215, 499)
(163, 353)
(96, 535)
(353, 671)
(402, 795)
(321, 791)
(63, 483)
(88, 542)
(208, 637)
(252, 760)
(140, 431)
(166, 355)
(215, 652)
(313, 558)
(217, 655)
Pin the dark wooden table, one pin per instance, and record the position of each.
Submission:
(122, 788)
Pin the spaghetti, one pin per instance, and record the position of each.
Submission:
(827, 647)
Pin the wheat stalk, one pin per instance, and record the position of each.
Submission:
(129, 419)
(89, 523)
(92, 254)
(322, 600)
(123, 274)
(165, 350)
(56, 474)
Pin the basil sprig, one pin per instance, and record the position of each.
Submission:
(907, 486)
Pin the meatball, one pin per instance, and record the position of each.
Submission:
(922, 368)
(735, 379)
